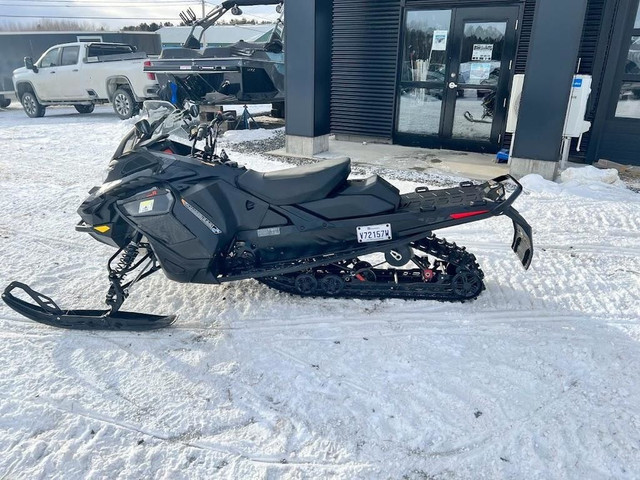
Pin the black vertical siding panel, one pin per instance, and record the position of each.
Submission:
(523, 50)
(364, 58)
(588, 51)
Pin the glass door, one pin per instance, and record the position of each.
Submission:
(454, 82)
(423, 75)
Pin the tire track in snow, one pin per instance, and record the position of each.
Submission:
(200, 445)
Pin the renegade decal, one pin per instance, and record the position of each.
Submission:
(210, 225)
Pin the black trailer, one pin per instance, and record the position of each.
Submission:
(17, 45)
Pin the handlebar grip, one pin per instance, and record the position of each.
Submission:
(202, 132)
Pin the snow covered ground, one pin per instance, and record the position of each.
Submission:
(537, 379)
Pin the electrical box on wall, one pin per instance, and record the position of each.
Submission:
(575, 124)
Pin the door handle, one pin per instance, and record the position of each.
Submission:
(453, 85)
(52, 72)
(75, 69)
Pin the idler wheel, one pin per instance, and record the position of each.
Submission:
(399, 256)
(466, 284)
(331, 284)
(306, 283)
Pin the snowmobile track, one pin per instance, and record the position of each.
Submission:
(454, 276)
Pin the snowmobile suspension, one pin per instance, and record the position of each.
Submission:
(125, 262)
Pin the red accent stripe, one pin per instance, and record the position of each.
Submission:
(468, 214)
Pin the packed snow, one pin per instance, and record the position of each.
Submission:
(538, 378)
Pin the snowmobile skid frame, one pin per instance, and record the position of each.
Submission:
(443, 270)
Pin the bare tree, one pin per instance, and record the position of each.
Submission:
(48, 25)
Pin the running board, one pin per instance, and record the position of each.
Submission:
(46, 311)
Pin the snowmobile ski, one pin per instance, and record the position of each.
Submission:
(469, 117)
(46, 311)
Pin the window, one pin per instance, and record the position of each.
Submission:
(424, 64)
(629, 94)
(70, 55)
(425, 45)
(102, 49)
(81, 38)
(50, 59)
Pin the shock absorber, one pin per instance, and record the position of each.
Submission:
(126, 257)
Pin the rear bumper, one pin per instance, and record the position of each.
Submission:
(471, 202)
(522, 243)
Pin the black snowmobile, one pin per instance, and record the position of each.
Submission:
(201, 218)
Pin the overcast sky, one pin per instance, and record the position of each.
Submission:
(113, 14)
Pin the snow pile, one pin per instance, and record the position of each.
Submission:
(236, 136)
(536, 379)
(590, 174)
(586, 182)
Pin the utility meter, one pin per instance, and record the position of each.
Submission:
(575, 124)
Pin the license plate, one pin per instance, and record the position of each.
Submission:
(374, 233)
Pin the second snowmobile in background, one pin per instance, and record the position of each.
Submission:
(200, 217)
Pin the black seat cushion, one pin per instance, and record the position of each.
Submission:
(298, 184)
(179, 52)
(216, 52)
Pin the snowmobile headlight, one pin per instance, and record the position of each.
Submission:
(105, 187)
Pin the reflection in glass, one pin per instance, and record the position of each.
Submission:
(473, 115)
(629, 100)
(481, 52)
(633, 57)
(425, 45)
(637, 22)
(419, 110)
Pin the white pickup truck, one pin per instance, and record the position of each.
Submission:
(83, 75)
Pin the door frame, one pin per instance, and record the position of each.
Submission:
(461, 12)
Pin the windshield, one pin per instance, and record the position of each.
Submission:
(163, 119)
(166, 119)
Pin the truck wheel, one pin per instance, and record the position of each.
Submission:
(84, 108)
(4, 102)
(31, 105)
(124, 104)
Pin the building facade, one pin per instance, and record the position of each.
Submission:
(439, 74)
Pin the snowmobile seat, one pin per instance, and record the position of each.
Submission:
(298, 184)
(246, 49)
(179, 52)
(216, 52)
